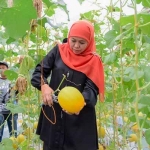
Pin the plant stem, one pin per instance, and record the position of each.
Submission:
(58, 89)
(122, 88)
(115, 127)
(136, 73)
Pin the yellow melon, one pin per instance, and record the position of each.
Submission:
(71, 99)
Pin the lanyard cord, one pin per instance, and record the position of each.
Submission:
(52, 122)
(42, 82)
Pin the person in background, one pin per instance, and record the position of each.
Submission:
(77, 59)
(5, 114)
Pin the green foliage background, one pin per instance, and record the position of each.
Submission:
(123, 42)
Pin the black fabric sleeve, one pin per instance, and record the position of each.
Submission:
(44, 69)
(90, 93)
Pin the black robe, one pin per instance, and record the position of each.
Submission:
(71, 132)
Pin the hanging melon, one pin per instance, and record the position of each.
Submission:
(71, 100)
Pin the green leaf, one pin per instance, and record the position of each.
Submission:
(42, 21)
(1, 54)
(110, 58)
(3, 38)
(143, 108)
(38, 58)
(9, 53)
(10, 40)
(128, 44)
(142, 18)
(133, 74)
(97, 28)
(3, 3)
(113, 9)
(147, 135)
(146, 39)
(27, 64)
(146, 124)
(145, 100)
(15, 108)
(16, 19)
(43, 33)
(11, 75)
(146, 70)
(48, 3)
(41, 52)
(6, 144)
(7, 141)
(51, 10)
(24, 145)
(100, 48)
(126, 20)
(122, 35)
(148, 54)
(81, 1)
(146, 3)
(110, 38)
(88, 15)
(64, 32)
(116, 24)
(1, 57)
(8, 147)
(132, 115)
(138, 1)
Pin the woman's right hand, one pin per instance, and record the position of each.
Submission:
(47, 94)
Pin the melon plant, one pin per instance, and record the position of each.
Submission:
(122, 40)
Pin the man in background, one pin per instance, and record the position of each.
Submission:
(5, 114)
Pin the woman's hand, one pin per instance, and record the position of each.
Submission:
(77, 113)
(47, 94)
(71, 113)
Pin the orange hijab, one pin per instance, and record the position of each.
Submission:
(88, 62)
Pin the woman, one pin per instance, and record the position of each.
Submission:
(82, 66)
